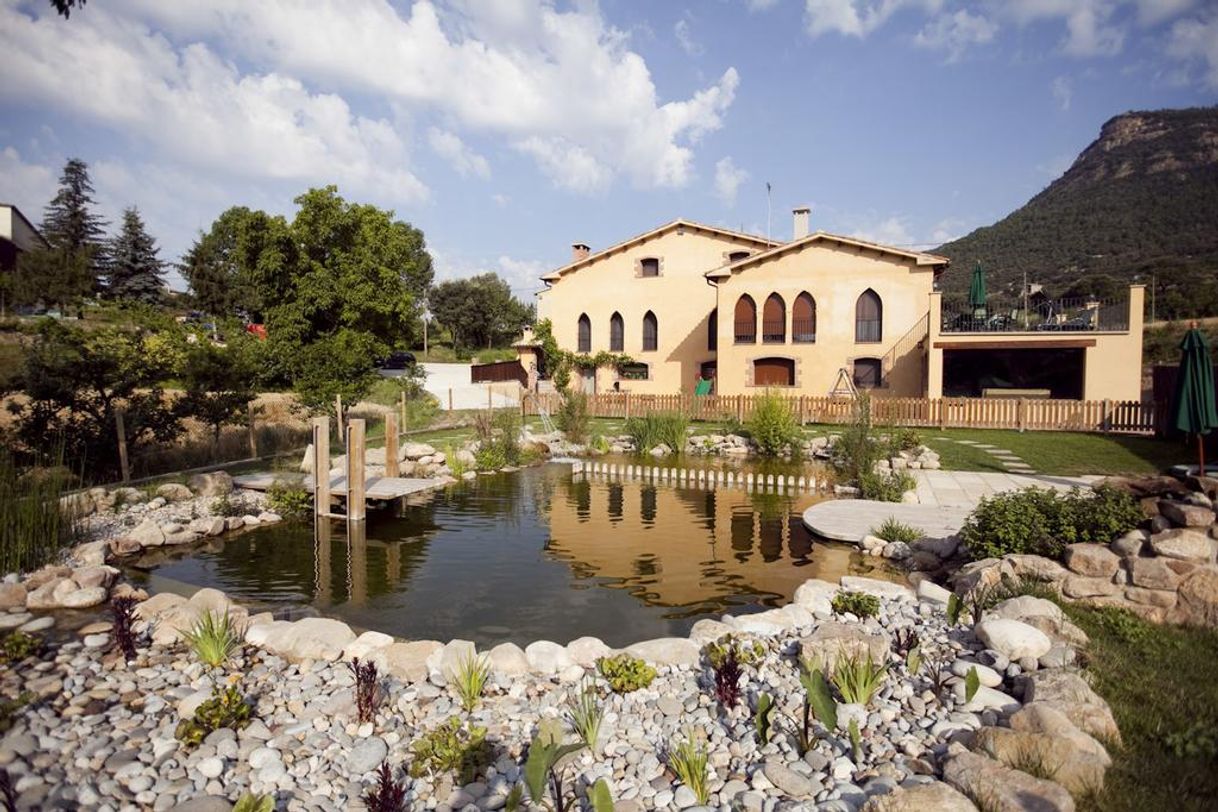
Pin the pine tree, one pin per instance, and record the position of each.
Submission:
(135, 268)
(75, 234)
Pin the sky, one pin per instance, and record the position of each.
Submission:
(508, 129)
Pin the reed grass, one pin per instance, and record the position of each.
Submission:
(213, 638)
(36, 520)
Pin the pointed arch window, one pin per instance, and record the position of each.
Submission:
(868, 318)
(712, 330)
(617, 333)
(651, 331)
(746, 320)
(585, 333)
(803, 319)
(774, 320)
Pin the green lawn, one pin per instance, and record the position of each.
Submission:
(1057, 452)
(1160, 682)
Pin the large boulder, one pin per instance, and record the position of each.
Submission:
(833, 641)
(407, 661)
(816, 595)
(1092, 560)
(1197, 598)
(1000, 788)
(1035, 567)
(216, 483)
(1084, 586)
(1079, 771)
(174, 492)
(874, 586)
(666, 651)
(1152, 573)
(1039, 717)
(1184, 544)
(586, 651)
(1066, 691)
(508, 660)
(12, 596)
(1184, 514)
(310, 638)
(1013, 638)
(147, 534)
(547, 657)
(1041, 614)
(414, 451)
(367, 644)
(936, 796)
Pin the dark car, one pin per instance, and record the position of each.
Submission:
(399, 359)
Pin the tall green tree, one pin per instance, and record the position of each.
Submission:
(135, 267)
(479, 311)
(74, 265)
(220, 265)
(219, 383)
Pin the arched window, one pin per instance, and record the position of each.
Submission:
(746, 320)
(585, 333)
(712, 330)
(774, 320)
(649, 266)
(736, 256)
(803, 319)
(651, 331)
(868, 318)
(617, 333)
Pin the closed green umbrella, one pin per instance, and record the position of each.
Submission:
(976, 291)
(1193, 409)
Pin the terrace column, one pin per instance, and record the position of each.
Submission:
(934, 357)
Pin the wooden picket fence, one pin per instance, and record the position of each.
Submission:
(1034, 414)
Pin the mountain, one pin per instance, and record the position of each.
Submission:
(1139, 203)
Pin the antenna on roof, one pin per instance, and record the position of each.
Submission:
(767, 210)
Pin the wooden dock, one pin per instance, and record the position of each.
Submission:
(376, 487)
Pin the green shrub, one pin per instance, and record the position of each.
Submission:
(451, 748)
(469, 680)
(572, 416)
(16, 646)
(661, 428)
(892, 530)
(10, 707)
(773, 426)
(625, 673)
(225, 506)
(226, 708)
(288, 500)
(1042, 521)
(885, 486)
(489, 457)
(456, 467)
(859, 604)
(856, 450)
(600, 444)
(498, 440)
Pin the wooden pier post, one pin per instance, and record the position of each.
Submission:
(391, 444)
(253, 432)
(321, 467)
(122, 445)
(357, 509)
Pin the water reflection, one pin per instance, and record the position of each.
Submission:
(528, 556)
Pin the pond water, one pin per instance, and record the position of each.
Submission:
(535, 554)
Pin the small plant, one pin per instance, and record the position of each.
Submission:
(656, 429)
(541, 767)
(469, 679)
(856, 742)
(213, 638)
(122, 609)
(8, 792)
(905, 640)
(16, 646)
(859, 604)
(289, 500)
(451, 748)
(913, 661)
(1199, 741)
(818, 701)
(906, 439)
(972, 682)
(489, 457)
(365, 689)
(955, 609)
(224, 507)
(858, 679)
(456, 466)
(600, 797)
(9, 708)
(761, 717)
(571, 418)
(885, 486)
(772, 425)
(226, 708)
(625, 673)
(689, 760)
(727, 679)
(584, 712)
(389, 794)
(250, 802)
(892, 530)
(745, 652)
(600, 444)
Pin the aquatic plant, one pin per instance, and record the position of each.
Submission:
(689, 760)
(452, 747)
(36, 520)
(893, 530)
(16, 646)
(227, 707)
(859, 604)
(772, 425)
(122, 609)
(625, 673)
(389, 794)
(585, 714)
(469, 680)
(858, 678)
(541, 767)
(213, 638)
(658, 428)
(365, 688)
(289, 500)
(885, 486)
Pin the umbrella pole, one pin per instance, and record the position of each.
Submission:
(1201, 454)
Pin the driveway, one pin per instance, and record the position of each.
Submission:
(450, 384)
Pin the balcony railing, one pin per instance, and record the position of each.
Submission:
(1080, 314)
(803, 331)
(746, 333)
(867, 331)
(773, 332)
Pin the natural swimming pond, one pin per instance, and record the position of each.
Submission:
(535, 554)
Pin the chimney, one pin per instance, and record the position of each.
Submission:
(579, 251)
(801, 222)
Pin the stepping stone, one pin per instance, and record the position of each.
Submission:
(986, 446)
(968, 442)
(997, 451)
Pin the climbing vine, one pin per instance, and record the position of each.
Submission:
(559, 363)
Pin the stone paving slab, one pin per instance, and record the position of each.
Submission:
(851, 519)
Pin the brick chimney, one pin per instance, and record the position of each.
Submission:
(579, 251)
(801, 222)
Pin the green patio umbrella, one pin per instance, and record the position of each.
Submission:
(1193, 410)
(976, 290)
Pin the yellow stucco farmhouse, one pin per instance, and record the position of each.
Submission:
(689, 302)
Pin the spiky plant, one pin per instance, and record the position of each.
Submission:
(689, 760)
(469, 680)
(213, 638)
(727, 680)
(365, 688)
(123, 610)
(389, 794)
(585, 714)
(858, 679)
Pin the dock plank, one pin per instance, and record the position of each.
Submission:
(375, 487)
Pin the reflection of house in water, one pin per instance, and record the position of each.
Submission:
(687, 548)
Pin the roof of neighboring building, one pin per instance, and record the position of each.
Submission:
(26, 220)
(656, 232)
(919, 257)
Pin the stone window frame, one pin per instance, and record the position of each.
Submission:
(617, 372)
(638, 267)
(884, 370)
(749, 372)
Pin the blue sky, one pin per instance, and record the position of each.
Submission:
(506, 130)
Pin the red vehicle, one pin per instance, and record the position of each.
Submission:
(258, 330)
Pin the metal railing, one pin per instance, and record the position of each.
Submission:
(1070, 315)
(803, 331)
(773, 331)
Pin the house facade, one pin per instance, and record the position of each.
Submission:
(689, 302)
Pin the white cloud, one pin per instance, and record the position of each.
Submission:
(501, 200)
(1089, 31)
(1063, 91)
(523, 275)
(955, 32)
(28, 186)
(685, 39)
(948, 229)
(450, 147)
(1196, 41)
(889, 231)
(728, 178)
(761, 5)
(856, 18)
(563, 86)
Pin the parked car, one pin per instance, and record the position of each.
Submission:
(398, 359)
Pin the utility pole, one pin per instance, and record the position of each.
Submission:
(1025, 301)
(1154, 283)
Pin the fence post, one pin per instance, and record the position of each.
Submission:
(1106, 417)
(338, 413)
(1020, 413)
(321, 466)
(942, 413)
(122, 444)
(249, 420)
(626, 406)
(490, 388)
(391, 444)
(356, 509)
(402, 407)
(450, 398)
(739, 408)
